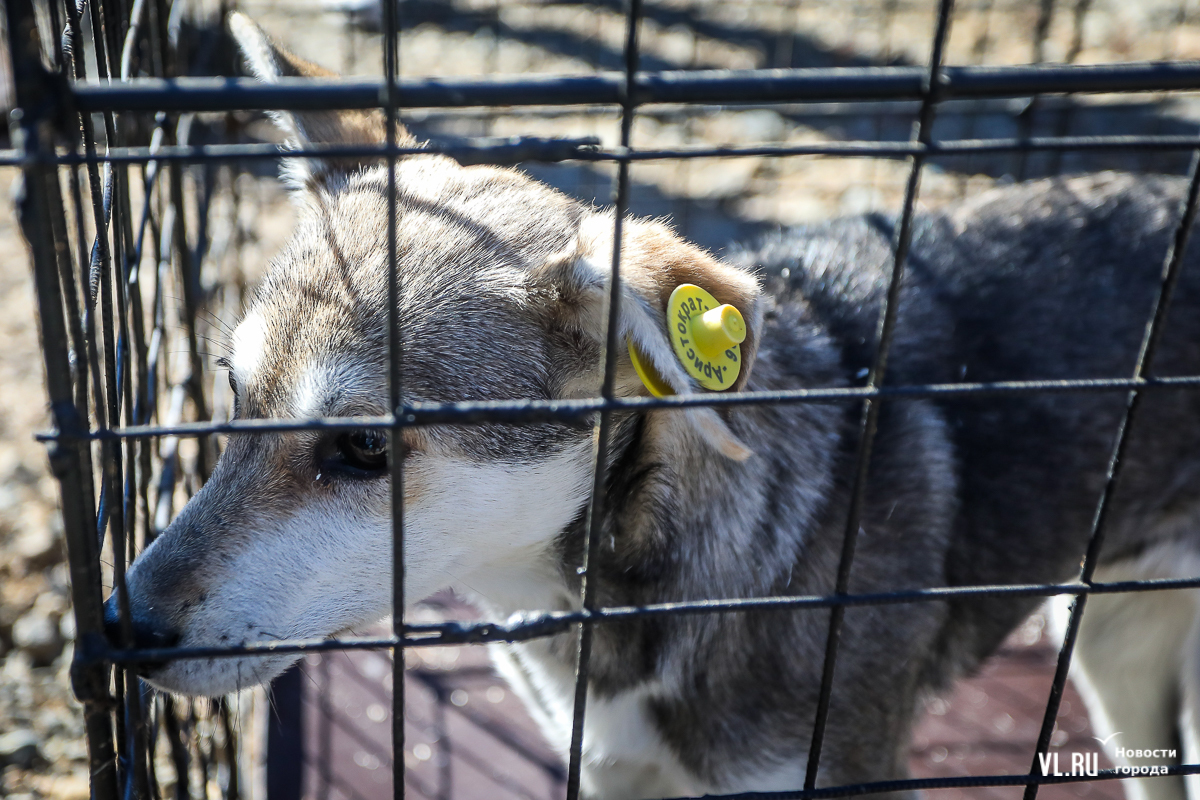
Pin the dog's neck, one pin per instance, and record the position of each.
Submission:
(680, 523)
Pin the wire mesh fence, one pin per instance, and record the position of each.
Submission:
(140, 205)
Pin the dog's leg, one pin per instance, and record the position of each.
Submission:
(1128, 666)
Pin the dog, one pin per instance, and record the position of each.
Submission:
(503, 296)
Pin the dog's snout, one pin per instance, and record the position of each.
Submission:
(149, 630)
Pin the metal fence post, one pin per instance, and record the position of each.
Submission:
(39, 202)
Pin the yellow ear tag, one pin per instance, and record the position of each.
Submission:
(657, 385)
(706, 336)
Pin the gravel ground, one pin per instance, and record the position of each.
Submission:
(42, 751)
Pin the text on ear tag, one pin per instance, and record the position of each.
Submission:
(706, 336)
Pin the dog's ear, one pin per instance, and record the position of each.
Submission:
(654, 261)
(268, 62)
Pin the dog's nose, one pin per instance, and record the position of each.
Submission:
(149, 630)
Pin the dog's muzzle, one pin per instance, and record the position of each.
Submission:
(149, 631)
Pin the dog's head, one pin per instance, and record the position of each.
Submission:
(503, 295)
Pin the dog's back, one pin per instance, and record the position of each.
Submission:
(1049, 280)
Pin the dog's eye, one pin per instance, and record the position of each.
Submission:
(361, 453)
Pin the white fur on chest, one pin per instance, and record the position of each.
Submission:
(624, 756)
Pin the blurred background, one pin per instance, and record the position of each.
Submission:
(325, 732)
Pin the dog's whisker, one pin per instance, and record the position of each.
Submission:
(272, 703)
(200, 311)
(310, 678)
(215, 321)
(220, 344)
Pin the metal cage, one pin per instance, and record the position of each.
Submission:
(106, 205)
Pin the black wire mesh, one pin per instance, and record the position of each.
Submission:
(120, 143)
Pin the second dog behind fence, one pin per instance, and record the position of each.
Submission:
(502, 296)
